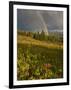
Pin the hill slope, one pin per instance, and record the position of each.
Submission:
(28, 40)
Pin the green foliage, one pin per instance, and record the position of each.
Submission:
(35, 62)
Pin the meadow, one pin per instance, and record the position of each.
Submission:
(39, 56)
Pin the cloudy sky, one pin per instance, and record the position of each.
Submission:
(37, 20)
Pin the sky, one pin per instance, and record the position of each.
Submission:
(38, 20)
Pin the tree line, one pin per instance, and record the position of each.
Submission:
(43, 36)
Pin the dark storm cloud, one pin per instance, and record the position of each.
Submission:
(37, 20)
(53, 19)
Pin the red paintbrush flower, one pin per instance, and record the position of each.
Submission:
(48, 65)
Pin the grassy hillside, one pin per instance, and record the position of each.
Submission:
(38, 59)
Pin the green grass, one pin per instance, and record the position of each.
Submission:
(38, 60)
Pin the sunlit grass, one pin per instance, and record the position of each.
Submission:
(29, 40)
